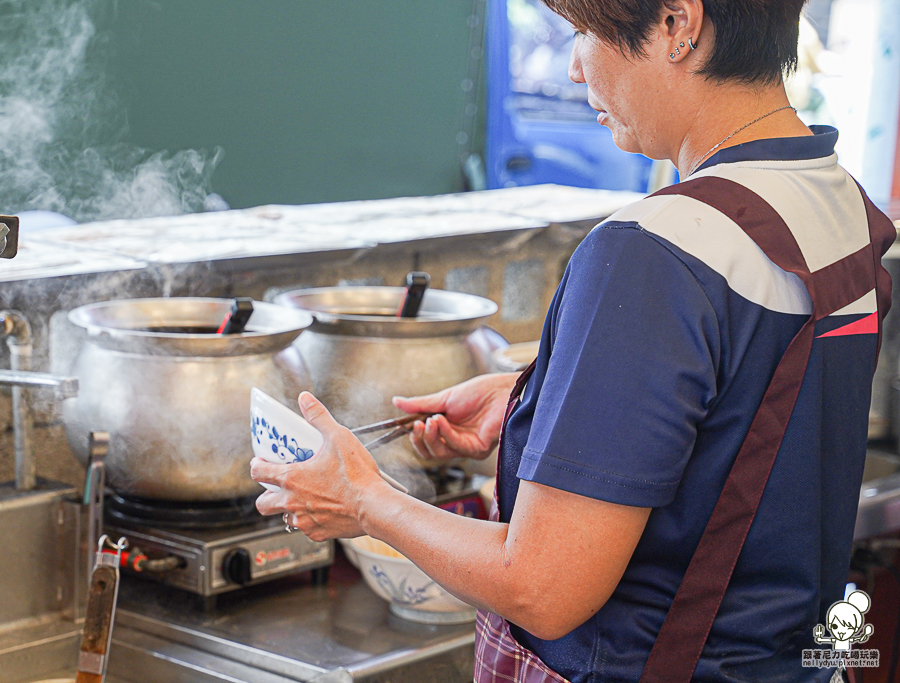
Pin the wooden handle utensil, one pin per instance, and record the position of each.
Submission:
(100, 614)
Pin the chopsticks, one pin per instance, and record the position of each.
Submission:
(387, 424)
(398, 427)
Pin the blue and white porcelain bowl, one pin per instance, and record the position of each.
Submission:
(278, 434)
(410, 592)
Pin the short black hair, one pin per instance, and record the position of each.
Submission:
(756, 40)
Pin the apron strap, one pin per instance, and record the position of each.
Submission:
(513, 401)
(683, 635)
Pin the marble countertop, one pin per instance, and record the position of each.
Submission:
(314, 228)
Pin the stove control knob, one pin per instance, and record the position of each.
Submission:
(236, 566)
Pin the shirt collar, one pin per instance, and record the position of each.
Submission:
(820, 144)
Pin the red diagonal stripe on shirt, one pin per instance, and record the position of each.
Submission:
(867, 325)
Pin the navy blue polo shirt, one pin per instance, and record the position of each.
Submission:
(658, 347)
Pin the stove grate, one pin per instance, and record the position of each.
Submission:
(182, 514)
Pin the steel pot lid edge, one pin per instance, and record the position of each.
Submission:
(121, 325)
(443, 312)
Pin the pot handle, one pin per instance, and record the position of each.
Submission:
(483, 342)
(9, 236)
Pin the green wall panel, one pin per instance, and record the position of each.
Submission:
(310, 101)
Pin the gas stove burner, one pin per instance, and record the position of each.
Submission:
(216, 514)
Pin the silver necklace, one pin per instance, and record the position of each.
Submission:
(727, 138)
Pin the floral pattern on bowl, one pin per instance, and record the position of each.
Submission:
(284, 447)
(278, 434)
(403, 592)
(410, 592)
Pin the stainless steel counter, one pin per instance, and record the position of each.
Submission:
(879, 498)
(283, 631)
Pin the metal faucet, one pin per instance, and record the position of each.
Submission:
(17, 330)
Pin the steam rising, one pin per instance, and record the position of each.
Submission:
(355, 397)
(62, 128)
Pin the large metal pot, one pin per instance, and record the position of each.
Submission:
(175, 396)
(360, 355)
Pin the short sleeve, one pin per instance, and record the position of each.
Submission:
(634, 345)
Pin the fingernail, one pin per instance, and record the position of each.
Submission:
(306, 400)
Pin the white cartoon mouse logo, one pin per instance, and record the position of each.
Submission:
(846, 622)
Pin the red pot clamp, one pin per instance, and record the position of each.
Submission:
(499, 657)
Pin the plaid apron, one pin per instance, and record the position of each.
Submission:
(498, 656)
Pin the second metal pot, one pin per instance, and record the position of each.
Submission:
(360, 355)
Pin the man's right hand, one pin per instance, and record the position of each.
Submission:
(471, 415)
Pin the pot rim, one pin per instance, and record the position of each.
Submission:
(120, 324)
(443, 312)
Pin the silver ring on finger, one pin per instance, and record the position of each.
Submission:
(286, 518)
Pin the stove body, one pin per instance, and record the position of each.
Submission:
(209, 548)
(216, 561)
